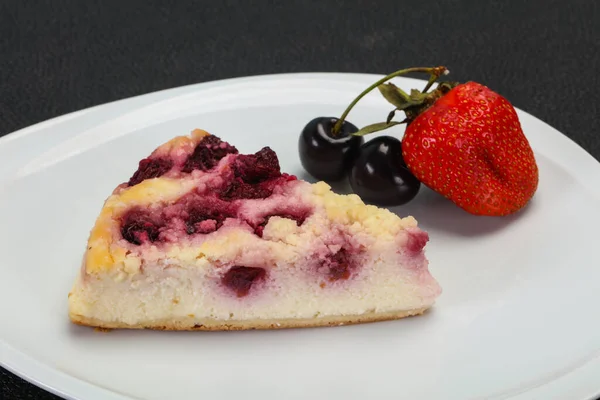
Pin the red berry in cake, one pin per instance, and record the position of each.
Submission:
(204, 220)
(207, 154)
(463, 141)
(325, 155)
(380, 176)
(252, 176)
(238, 189)
(258, 167)
(417, 239)
(150, 168)
(339, 266)
(240, 279)
(138, 227)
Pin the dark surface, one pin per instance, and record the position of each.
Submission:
(60, 56)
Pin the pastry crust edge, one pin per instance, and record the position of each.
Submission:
(209, 324)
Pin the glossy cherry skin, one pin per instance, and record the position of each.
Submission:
(380, 176)
(324, 156)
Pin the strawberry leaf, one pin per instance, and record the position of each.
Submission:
(416, 96)
(398, 97)
(394, 95)
(379, 126)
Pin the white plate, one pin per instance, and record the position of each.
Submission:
(517, 319)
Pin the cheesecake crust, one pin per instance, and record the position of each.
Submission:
(209, 324)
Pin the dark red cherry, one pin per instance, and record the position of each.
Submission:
(150, 168)
(258, 167)
(339, 266)
(207, 154)
(380, 176)
(197, 217)
(138, 226)
(324, 156)
(240, 279)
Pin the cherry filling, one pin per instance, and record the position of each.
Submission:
(258, 167)
(150, 168)
(200, 213)
(139, 227)
(237, 189)
(417, 240)
(253, 176)
(338, 265)
(207, 154)
(204, 220)
(240, 279)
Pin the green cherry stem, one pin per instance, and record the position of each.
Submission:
(434, 72)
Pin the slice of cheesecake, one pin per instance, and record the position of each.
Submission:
(202, 237)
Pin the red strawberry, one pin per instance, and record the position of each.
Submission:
(462, 140)
(469, 147)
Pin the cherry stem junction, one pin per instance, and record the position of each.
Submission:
(434, 72)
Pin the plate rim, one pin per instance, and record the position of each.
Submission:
(57, 382)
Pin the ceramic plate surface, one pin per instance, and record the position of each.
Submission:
(518, 317)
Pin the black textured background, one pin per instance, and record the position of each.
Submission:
(59, 56)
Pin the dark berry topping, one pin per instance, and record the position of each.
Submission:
(237, 189)
(202, 158)
(150, 168)
(205, 209)
(139, 227)
(258, 167)
(240, 279)
(252, 175)
(213, 141)
(207, 154)
(204, 220)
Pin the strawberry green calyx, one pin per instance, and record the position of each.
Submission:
(412, 103)
(425, 100)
